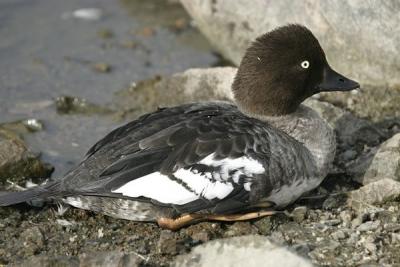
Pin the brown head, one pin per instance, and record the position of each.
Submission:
(281, 69)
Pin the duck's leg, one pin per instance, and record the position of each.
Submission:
(175, 224)
(241, 217)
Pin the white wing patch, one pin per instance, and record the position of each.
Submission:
(158, 187)
(203, 186)
(190, 184)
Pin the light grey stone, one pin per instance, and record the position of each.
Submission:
(339, 235)
(109, 259)
(299, 214)
(17, 161)
(90, 259)
(385, 163)
(199, 85)
(369, 226)
(376, 192)
(250, 250)
(348, 30)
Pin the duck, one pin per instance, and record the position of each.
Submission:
(218, 161)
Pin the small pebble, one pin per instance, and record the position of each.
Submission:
(368, 226)
(338, 235)
(371, 247)
(331, 202)
(147, 32)
(332, 222)
(395, 238)
(346, 217)
(105, 34)
(202, 236)
(299, 214)
(356, 222)
(167, 243)
(392, 227)
(101, 67)
(353, 238)
(349, 155)
(33, 125)
(180, 23)
(129, 44)
(85, 14)
(302, 249)
(33, 240)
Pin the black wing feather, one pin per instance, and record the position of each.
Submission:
(174, 138)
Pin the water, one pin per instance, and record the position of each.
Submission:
(45, 52)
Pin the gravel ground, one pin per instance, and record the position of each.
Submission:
(324, 227)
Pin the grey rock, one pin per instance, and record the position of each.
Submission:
(377, 192)
(369, 226)
(240, 228)
(391, 227)
(17, 161)
(202, 236)
(354, 237)
(50, 261)
(277, 238)
(346, 217)
(167, 243)
(248, 250)
(357, 221)
(395, 238)
(371, 247)
(299, 214)
(201, 84)
(358, 167)
(89, 259)
(338, 235)
(264, 225)
(302, 249)
(192, 85)
(109, 259)
(349, 155)
(385, 163)
(340, 27)
(332, 222)
(331, 202)
(32, 239)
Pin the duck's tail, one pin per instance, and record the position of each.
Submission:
(38, 192)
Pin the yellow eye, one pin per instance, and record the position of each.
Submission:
(305, 64)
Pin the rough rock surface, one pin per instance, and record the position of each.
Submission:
(340, 27)
(17, 162)
(250, 250)
(374, 193)
(93, 259)
(385, 163)
(188, 86)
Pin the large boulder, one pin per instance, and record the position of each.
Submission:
(385, 163)
(251, 250)
(361, 38)
(377, 192)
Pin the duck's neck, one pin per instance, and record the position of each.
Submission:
(307, 127)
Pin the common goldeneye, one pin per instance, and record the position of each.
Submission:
(215, 160)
